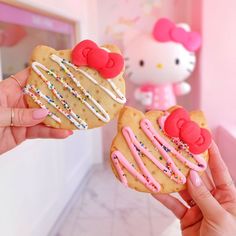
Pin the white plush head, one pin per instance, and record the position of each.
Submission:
(154, 62)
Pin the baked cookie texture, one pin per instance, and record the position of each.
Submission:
(77, 96)
(144, 158)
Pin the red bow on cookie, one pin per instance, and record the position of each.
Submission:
(87, 53)
(178, 124)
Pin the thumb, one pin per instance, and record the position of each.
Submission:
(21, 117)
(208, 205)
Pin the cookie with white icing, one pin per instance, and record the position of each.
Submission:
(82, 88)
(154, 152)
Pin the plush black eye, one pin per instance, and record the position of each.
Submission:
(177, 61)
(141, 62)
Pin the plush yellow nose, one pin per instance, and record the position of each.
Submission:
(159, 66)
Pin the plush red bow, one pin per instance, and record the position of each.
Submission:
(178, 124)
(87, 53)
(165, 31)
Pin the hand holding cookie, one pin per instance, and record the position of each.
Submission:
(81, 88)
(161, 152)
(210, 208)
(17, 121)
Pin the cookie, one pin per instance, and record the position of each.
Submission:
(154, 152)
(82, 88)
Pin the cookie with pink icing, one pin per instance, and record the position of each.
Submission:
(154, 152)
(82, 87)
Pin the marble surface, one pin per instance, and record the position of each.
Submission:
(104, 207)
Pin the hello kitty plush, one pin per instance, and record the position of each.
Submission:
(161, 62)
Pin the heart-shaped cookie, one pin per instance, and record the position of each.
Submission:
(146, 158)
(77, 96)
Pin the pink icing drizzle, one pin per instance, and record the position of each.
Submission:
(163, 147)
(117, 158)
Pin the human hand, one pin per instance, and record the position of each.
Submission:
(25, 122)
(211, 201)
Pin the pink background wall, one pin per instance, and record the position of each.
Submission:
(226, 139)
(218, 75)
(218, 64)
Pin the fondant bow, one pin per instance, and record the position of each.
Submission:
(87, 53)
(178, 124)
(165, 31)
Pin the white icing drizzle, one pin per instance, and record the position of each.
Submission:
(120, 98)
(37, 101)
(56, 93)
(78, 122)
(105, 117)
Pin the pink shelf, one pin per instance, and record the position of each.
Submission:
(10, 14)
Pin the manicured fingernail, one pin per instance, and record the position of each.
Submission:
(195, 178)
(70, 132)
(40, 114)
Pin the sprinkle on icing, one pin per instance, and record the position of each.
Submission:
(28, 90)
(118, 96)
(71, 114)
(138, 150)
(157, 139)
(79, 123)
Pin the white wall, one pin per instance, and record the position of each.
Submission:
(38, 178)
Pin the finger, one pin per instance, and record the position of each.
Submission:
(172, 204)
(186, 196)
(41, 131)
(22, 76)
(192, 216)
(21, 117)
(5, 117)
(207, 181)
(201, 195)
(219, 170)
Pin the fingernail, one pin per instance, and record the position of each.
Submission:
(40, 114)
(70, 132)
(195, 178)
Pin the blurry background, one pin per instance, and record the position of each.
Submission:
(66, 187)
